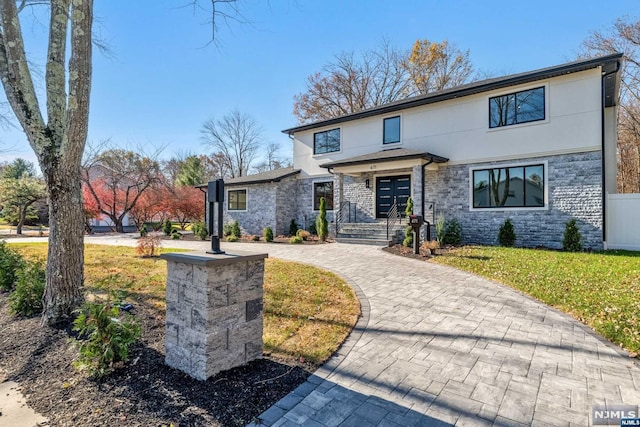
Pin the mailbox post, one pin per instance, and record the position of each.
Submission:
(416, 221)
(215, 194)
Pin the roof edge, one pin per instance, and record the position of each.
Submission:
(467, 89)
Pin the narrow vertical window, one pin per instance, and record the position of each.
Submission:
(391, 130)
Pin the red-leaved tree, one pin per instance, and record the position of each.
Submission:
(186, 204)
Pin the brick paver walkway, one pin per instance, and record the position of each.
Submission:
(438, 346)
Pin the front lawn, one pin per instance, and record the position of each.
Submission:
(600, 289)
(308, 311)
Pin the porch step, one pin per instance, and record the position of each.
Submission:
(364, 241)
(368, 233)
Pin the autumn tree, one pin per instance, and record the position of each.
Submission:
(116, 179)
(434, 66)
(236, 139)
(186, 205)
(351, 83)
(624, 36)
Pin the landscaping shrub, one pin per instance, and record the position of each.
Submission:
(267, 233)
(507, 235)
(175, 235)
(167, 227)
(26, 298)
(148, 246)
(104, 338)
(304, 234)
(235, 230)
(199, 229)
(10, 262)
(293, 228)
(295, 240)
(408, 231)
(226, 229)
(232, 238)
(143, 230)
(440, 229)
(312, 228)
(572, 240)
(452, 233)
(322, 226)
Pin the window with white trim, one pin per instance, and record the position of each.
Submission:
(516, 108)
(509, 187)
(323, 189)
(327, 141)
(237, 200)
(391, 130)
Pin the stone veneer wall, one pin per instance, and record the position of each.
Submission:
(574, 187)
(261, 208)
(286, 205)
(305, 213)
(214, 316)
(356, 192)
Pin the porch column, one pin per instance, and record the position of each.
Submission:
(416, 190)
(338, 190)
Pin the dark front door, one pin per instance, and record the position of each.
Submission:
(388, 188)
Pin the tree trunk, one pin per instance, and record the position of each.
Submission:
(65, 269)
(21, 221)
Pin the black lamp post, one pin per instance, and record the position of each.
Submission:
(215, 194)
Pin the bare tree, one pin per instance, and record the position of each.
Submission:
(271, 160)
(59, 139)
(236, 138)
(353, 83)
(624, 36)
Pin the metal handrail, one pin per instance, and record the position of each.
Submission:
(393, 216)
(340, 213)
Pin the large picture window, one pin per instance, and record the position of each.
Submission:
(323, 189)
(515, 108)
(391, 130)
(237, 200)
(510, 187)
(326, 142)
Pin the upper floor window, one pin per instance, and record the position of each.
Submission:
(391, 130)
(237, 200)
(326, 142)
(515, 187)
(323, 189)
(515, 108)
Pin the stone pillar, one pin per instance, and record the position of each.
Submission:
(214, 311)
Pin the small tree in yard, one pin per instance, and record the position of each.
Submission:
(507, 235)
(572, 241)
(408, 231)
(235, 230)
(293, 228)
(167, 227)
(268, 234)
(322, 226)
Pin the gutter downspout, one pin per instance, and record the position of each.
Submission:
(603, 166)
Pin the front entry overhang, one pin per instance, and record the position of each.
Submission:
(386, 160)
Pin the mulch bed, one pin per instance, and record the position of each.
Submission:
(406, 252)
(146, 392)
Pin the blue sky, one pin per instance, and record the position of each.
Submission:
(163, 81)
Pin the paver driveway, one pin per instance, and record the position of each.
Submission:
(438, 346)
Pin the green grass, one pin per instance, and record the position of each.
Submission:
(601, 290)
(308, 312)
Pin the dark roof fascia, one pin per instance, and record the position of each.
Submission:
(607, 62)
(256, 181)
(426, 156)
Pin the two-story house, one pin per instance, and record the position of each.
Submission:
(537, 147)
